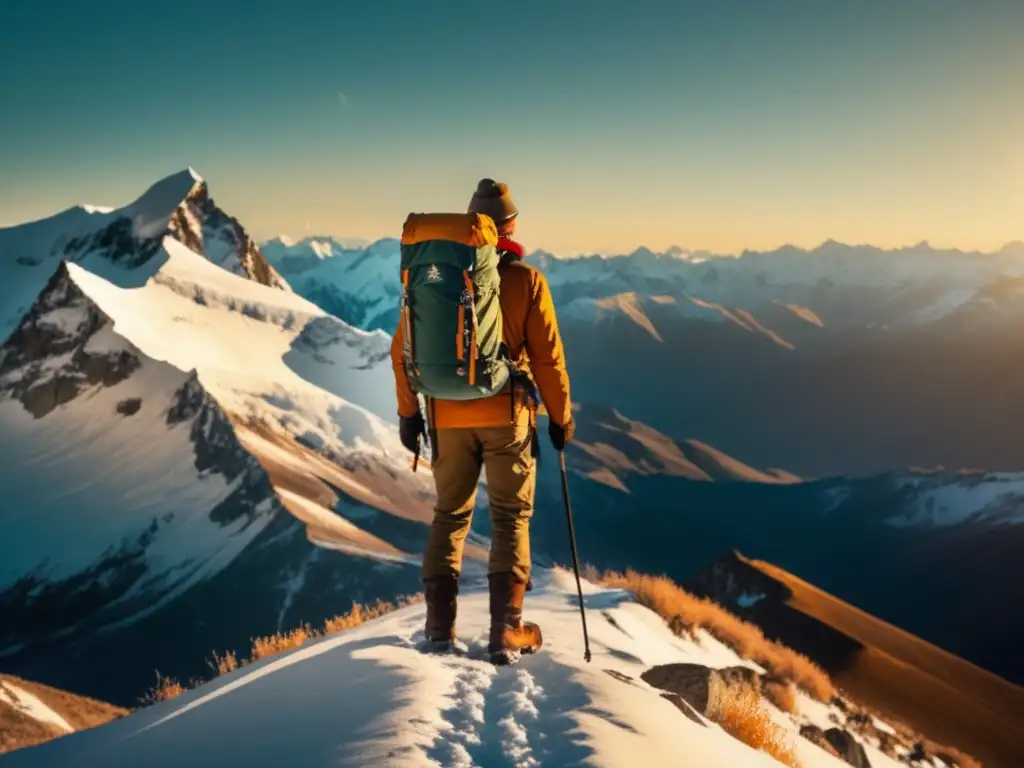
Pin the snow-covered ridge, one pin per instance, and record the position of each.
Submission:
(125, 242)
(948, 499)
(368, 697)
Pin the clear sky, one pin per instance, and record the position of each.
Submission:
(720, 124)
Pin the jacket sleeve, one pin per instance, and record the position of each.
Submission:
(547, 357)
(408, 403)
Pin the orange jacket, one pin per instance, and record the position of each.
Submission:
(530, 331)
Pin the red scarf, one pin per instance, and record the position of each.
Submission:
(511, 249)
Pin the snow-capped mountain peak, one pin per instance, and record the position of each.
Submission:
(154, 364)
(152, 212)
(124, 243)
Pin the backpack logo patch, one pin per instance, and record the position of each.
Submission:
(433, 274)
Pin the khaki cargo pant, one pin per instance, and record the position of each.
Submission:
(505, 453)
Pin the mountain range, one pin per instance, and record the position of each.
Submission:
(198, 439)
(834, 361)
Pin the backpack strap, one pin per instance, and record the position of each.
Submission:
(409, 350)
(468, 300)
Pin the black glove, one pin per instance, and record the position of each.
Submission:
(410, 430)
(561, 435)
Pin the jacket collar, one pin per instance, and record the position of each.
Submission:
(511, 248)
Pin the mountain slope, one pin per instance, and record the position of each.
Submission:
(32, 714)
(609, 447)
(161, 492)
(188, 445)
(883, 542)
(881, 666)
(368, 697)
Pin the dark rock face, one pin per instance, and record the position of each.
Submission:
(734, 584)
(203, 227)
(130, 406)
(815, 735)
(217, 450)
(701, 687)
(849, 749)
(117, 242)
(217, 446)
(61, 323)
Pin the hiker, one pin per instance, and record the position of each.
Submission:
(497, 431)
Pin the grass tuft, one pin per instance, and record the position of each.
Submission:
(165, 689)
(271, 645)
(742, 717)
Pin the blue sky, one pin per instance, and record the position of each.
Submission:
(719, 125)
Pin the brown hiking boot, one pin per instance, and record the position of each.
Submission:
(441, 594)
(510, 635)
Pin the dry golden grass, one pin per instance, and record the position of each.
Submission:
(262, 647)
(166, 688)
(685, 614)
(223, 664)
(782, 695)
(363, 613)
(743, 718)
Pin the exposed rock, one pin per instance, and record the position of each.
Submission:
(919, 753)
(59, 325)
(887, 743)
(188, 401)
(849, 749)
(701, 687)
(815, 735)
(217, 446)
(197, 223)
(130, 406)
(204, 228)
(731, 579)
(117, 242)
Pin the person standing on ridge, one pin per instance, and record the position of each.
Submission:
(496, 432)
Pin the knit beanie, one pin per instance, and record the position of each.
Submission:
(492, 199)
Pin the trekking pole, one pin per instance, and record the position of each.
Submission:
(575, 559)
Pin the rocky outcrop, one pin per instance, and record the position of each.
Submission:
(701, 687)
(205, 228)
(732, 582)
(218, 450)
(48, 362)
(848, 748)
(117, 242)
(129, 406)
(131, 236)
(816, 735)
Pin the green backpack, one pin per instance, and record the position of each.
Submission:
(451, 311)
